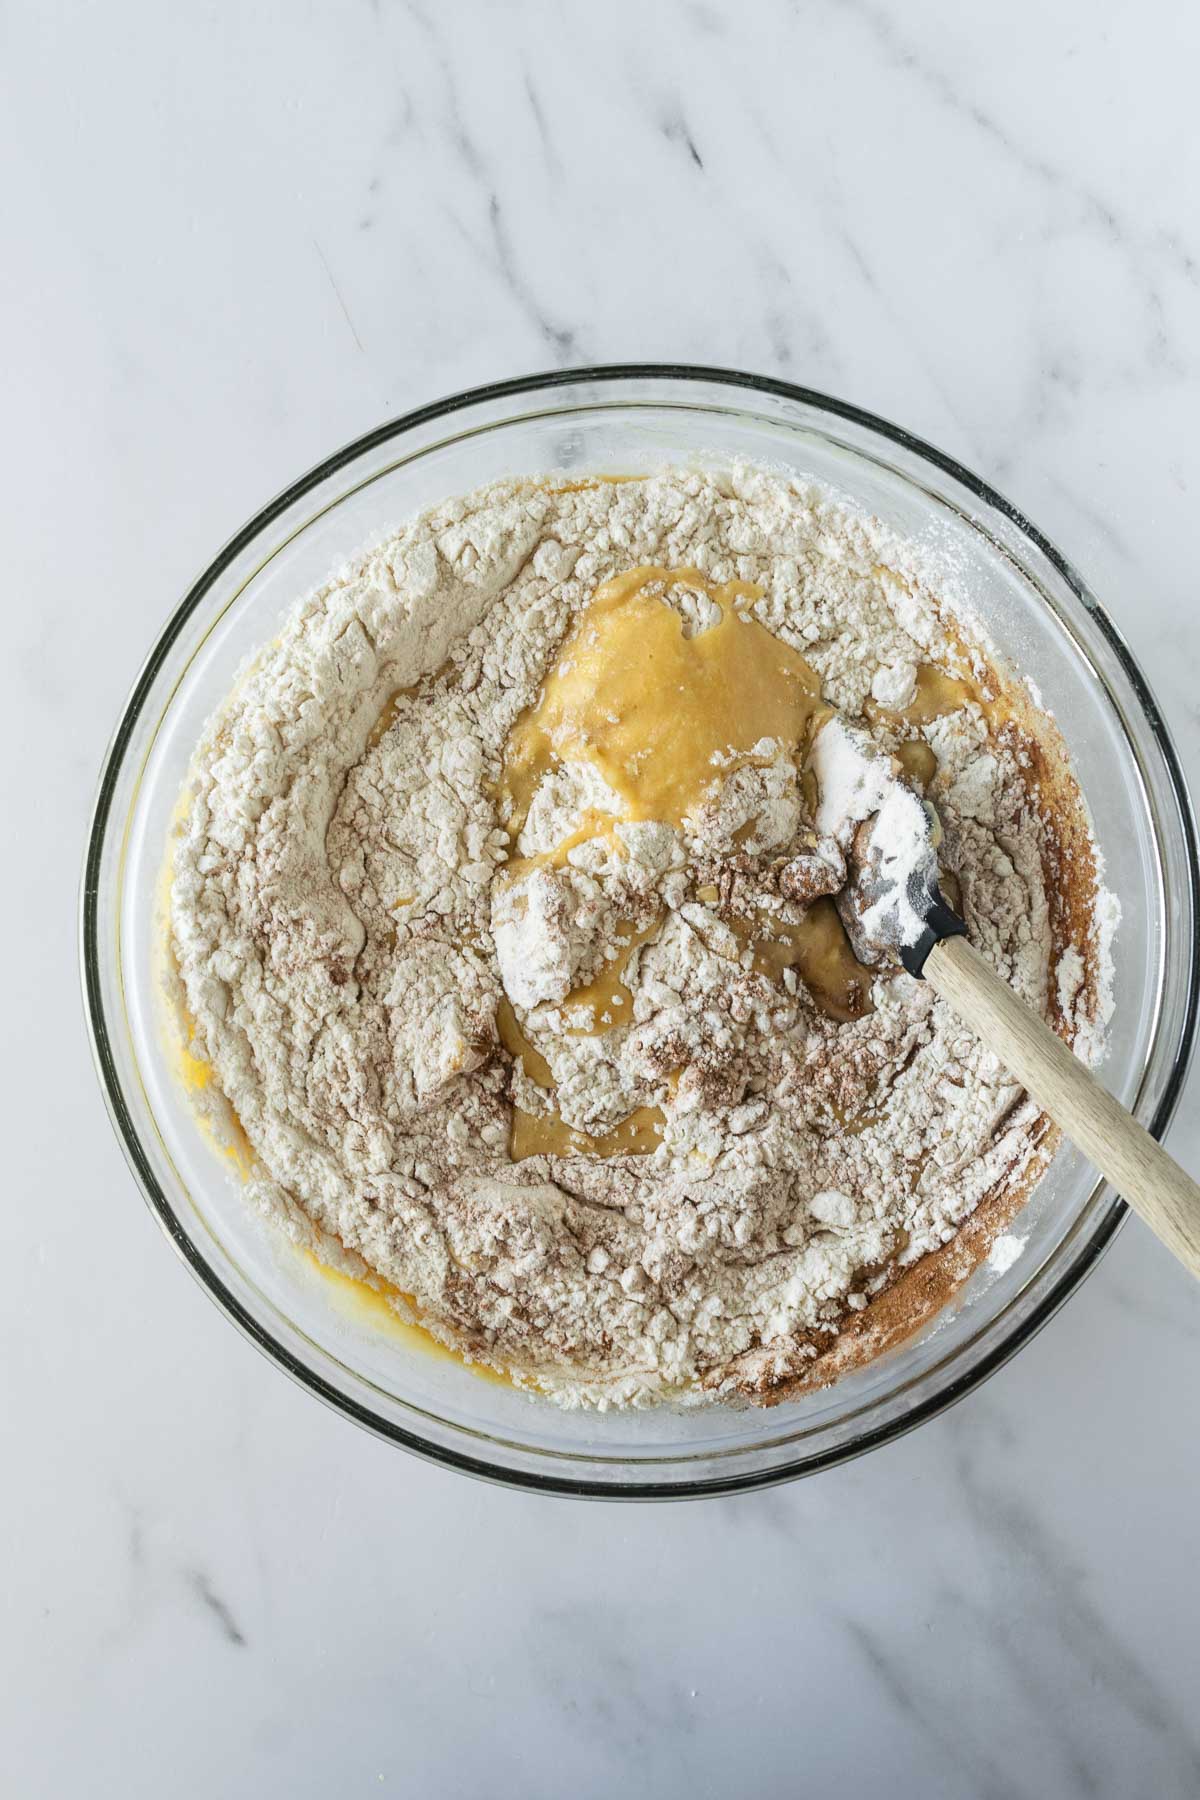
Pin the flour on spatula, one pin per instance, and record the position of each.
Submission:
(858, 784)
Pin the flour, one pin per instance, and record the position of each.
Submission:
(1005, 1251)
(350, 926)
(894, 685)
(858, 786)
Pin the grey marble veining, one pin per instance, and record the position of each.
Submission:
(239, 236)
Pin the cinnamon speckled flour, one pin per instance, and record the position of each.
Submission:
(389, 990)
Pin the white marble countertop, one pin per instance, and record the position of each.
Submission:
(238, 236)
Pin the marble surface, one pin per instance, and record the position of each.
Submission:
(237, 236)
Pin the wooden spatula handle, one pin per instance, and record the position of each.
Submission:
(1140, 1169)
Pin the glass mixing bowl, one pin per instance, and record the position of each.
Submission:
(628, 419)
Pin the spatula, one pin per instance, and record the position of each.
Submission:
(894, 907)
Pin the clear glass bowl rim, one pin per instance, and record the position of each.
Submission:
(1085, 1259)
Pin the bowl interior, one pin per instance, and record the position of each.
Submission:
(1028, 605)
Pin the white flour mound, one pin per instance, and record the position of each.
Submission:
(344, 947)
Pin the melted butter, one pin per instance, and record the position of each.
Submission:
(520, 1048)
(216, 1117)
(545, 1134)
(937, 694)
(372, 1304)
(819, 950)
(852, 1124)
(388, 716)
(662, 717)
(222, 1127)
(225, 1131)
(370, 1300)
(650, 708)
(591, 481)
(394, 702)
(917, 761)
(607, 997)
(592, 824)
